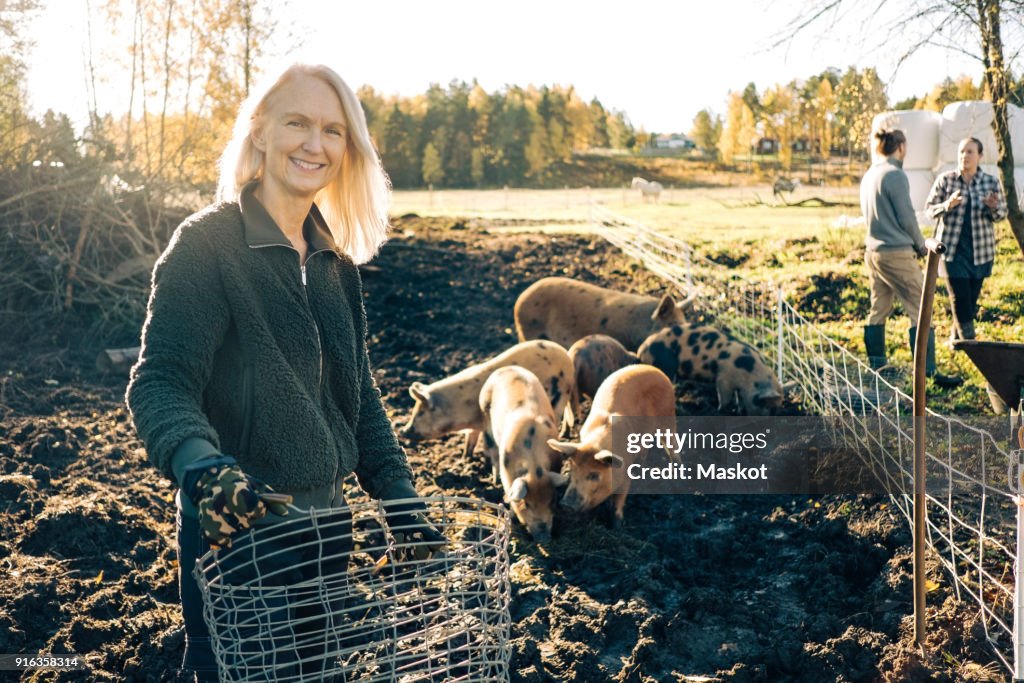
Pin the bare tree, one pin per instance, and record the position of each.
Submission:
(971, 27)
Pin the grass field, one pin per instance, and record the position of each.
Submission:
(802, 248)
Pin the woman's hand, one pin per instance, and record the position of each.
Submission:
(228, 500)
(415, 537)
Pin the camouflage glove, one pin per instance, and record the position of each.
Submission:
(228, 500)
(415, 536)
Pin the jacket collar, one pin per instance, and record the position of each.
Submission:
(262, 231)
(894, 161)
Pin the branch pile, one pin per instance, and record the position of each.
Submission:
(79, 241)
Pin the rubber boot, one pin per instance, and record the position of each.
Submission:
(947, 381)
(874, 344)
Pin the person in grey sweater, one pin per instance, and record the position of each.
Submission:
(892, 245)
(253, 386)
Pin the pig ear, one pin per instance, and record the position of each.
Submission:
(608, 458)
(665, 308)
(420, 392)
(558, 479)
(518, 490)
(566, 448)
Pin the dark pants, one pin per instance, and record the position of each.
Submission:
(963, 295)
(282, 633)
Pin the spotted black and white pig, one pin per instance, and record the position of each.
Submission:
(596, 472)
(518, 422)
(453, 404)
(565, 310)
(706, 353)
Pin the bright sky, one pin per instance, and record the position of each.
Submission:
(660, 61)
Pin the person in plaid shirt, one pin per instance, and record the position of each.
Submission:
(966, 202)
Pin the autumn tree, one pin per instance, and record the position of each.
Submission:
(860, 95)
(817, 110)
(433, 172)
(14, 16)
(781, 112)
(706, 131)
(739, 132)
(187, 68)
(960, 90)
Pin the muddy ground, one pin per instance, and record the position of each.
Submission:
(693, 588)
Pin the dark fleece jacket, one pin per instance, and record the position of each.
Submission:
(239, 356)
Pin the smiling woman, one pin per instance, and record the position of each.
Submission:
(303, 134)
(253, 376)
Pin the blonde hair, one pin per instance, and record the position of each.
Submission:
(355, 204)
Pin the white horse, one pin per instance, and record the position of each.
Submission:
(648, 189)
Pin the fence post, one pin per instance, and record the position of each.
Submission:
(1018, 568)
(924, 323)
(779, 313)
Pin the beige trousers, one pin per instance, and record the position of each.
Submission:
(893, 274)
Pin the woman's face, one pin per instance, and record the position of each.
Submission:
(969, 156)
(302, 136)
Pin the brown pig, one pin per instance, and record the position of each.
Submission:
(743, 381)
(565, 310)
(453, 404)
(594, 358)
(518, 421)
(595, 471)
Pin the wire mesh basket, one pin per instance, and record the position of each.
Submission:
(330, 595)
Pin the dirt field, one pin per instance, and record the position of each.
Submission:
(693, 588)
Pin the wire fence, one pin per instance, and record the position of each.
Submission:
(972, 508)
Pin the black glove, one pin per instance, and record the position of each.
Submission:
(227, 499)
(415, 536)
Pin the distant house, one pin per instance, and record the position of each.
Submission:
(801, 145)
(674, 141)
(768, 145)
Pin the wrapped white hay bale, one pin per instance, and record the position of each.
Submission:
(1018, 180)
(922, 130)
(1016, 121)
(966, 120)
(920, 185)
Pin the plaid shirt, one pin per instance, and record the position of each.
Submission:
(952, 222)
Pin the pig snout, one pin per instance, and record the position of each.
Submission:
(572, 500)
(409, 432)
(541, 531)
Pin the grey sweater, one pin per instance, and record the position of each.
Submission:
(888, 213)
(246, 353)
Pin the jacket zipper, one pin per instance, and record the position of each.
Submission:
(316, 328)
